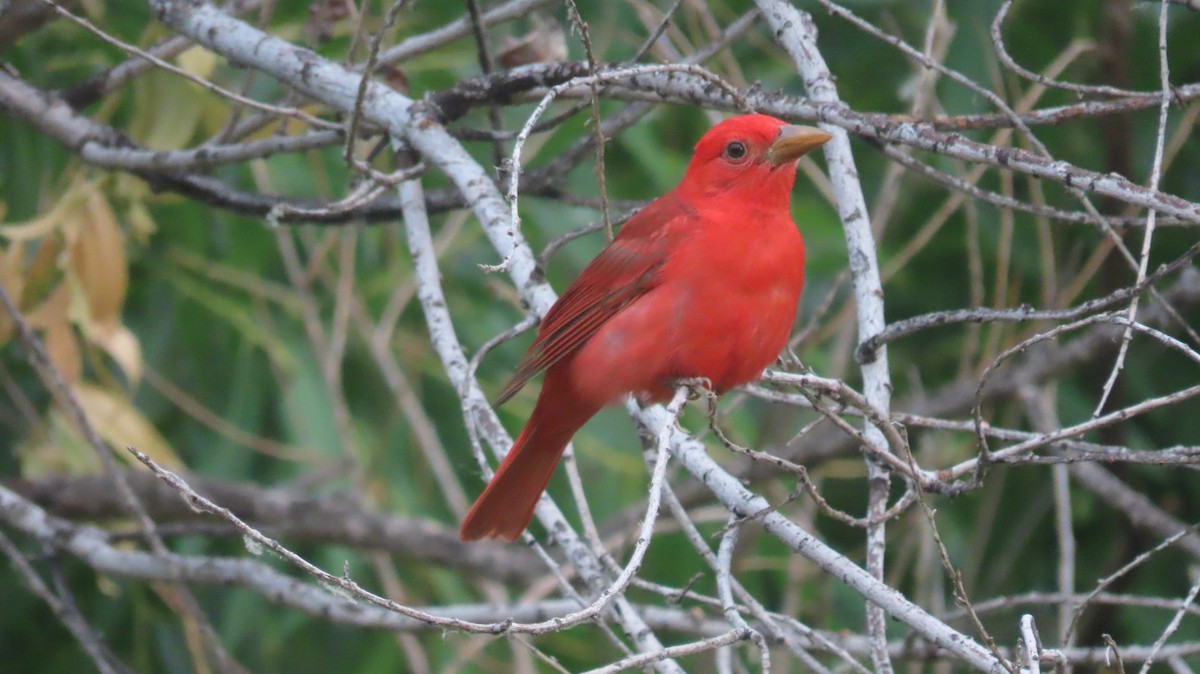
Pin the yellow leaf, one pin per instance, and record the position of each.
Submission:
(51, 318)
(12, 264)
(141, 221)
(45, 270)
(167, 110)
(55, 449)
(32, 229)
(59, 214)
(52, 310)
(94, 9)
(121, 424)
(98, 261)
(63, 348)
(129, 187)
(198, 61)
(121, 345)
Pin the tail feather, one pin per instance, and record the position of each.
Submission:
(506, 506)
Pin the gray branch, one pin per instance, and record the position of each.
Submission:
(290, 514)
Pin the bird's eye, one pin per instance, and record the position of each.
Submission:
(736, 150)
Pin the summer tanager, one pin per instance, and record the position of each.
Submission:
(702, 283)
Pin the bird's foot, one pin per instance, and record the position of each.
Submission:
(698, 387)
(788, 361)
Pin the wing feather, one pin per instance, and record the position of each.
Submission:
(624, 271)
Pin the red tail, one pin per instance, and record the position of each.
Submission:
(505, 507)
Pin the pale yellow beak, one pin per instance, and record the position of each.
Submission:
(794, 142)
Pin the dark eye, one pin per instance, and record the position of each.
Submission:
(736, 150)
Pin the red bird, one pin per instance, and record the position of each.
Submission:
(703, 282)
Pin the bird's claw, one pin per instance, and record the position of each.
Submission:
(697, 386)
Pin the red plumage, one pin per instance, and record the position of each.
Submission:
(702, 282)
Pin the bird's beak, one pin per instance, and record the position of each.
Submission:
(794, 142)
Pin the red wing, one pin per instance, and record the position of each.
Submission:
(623, 271)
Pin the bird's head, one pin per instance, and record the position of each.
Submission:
(752, 156)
